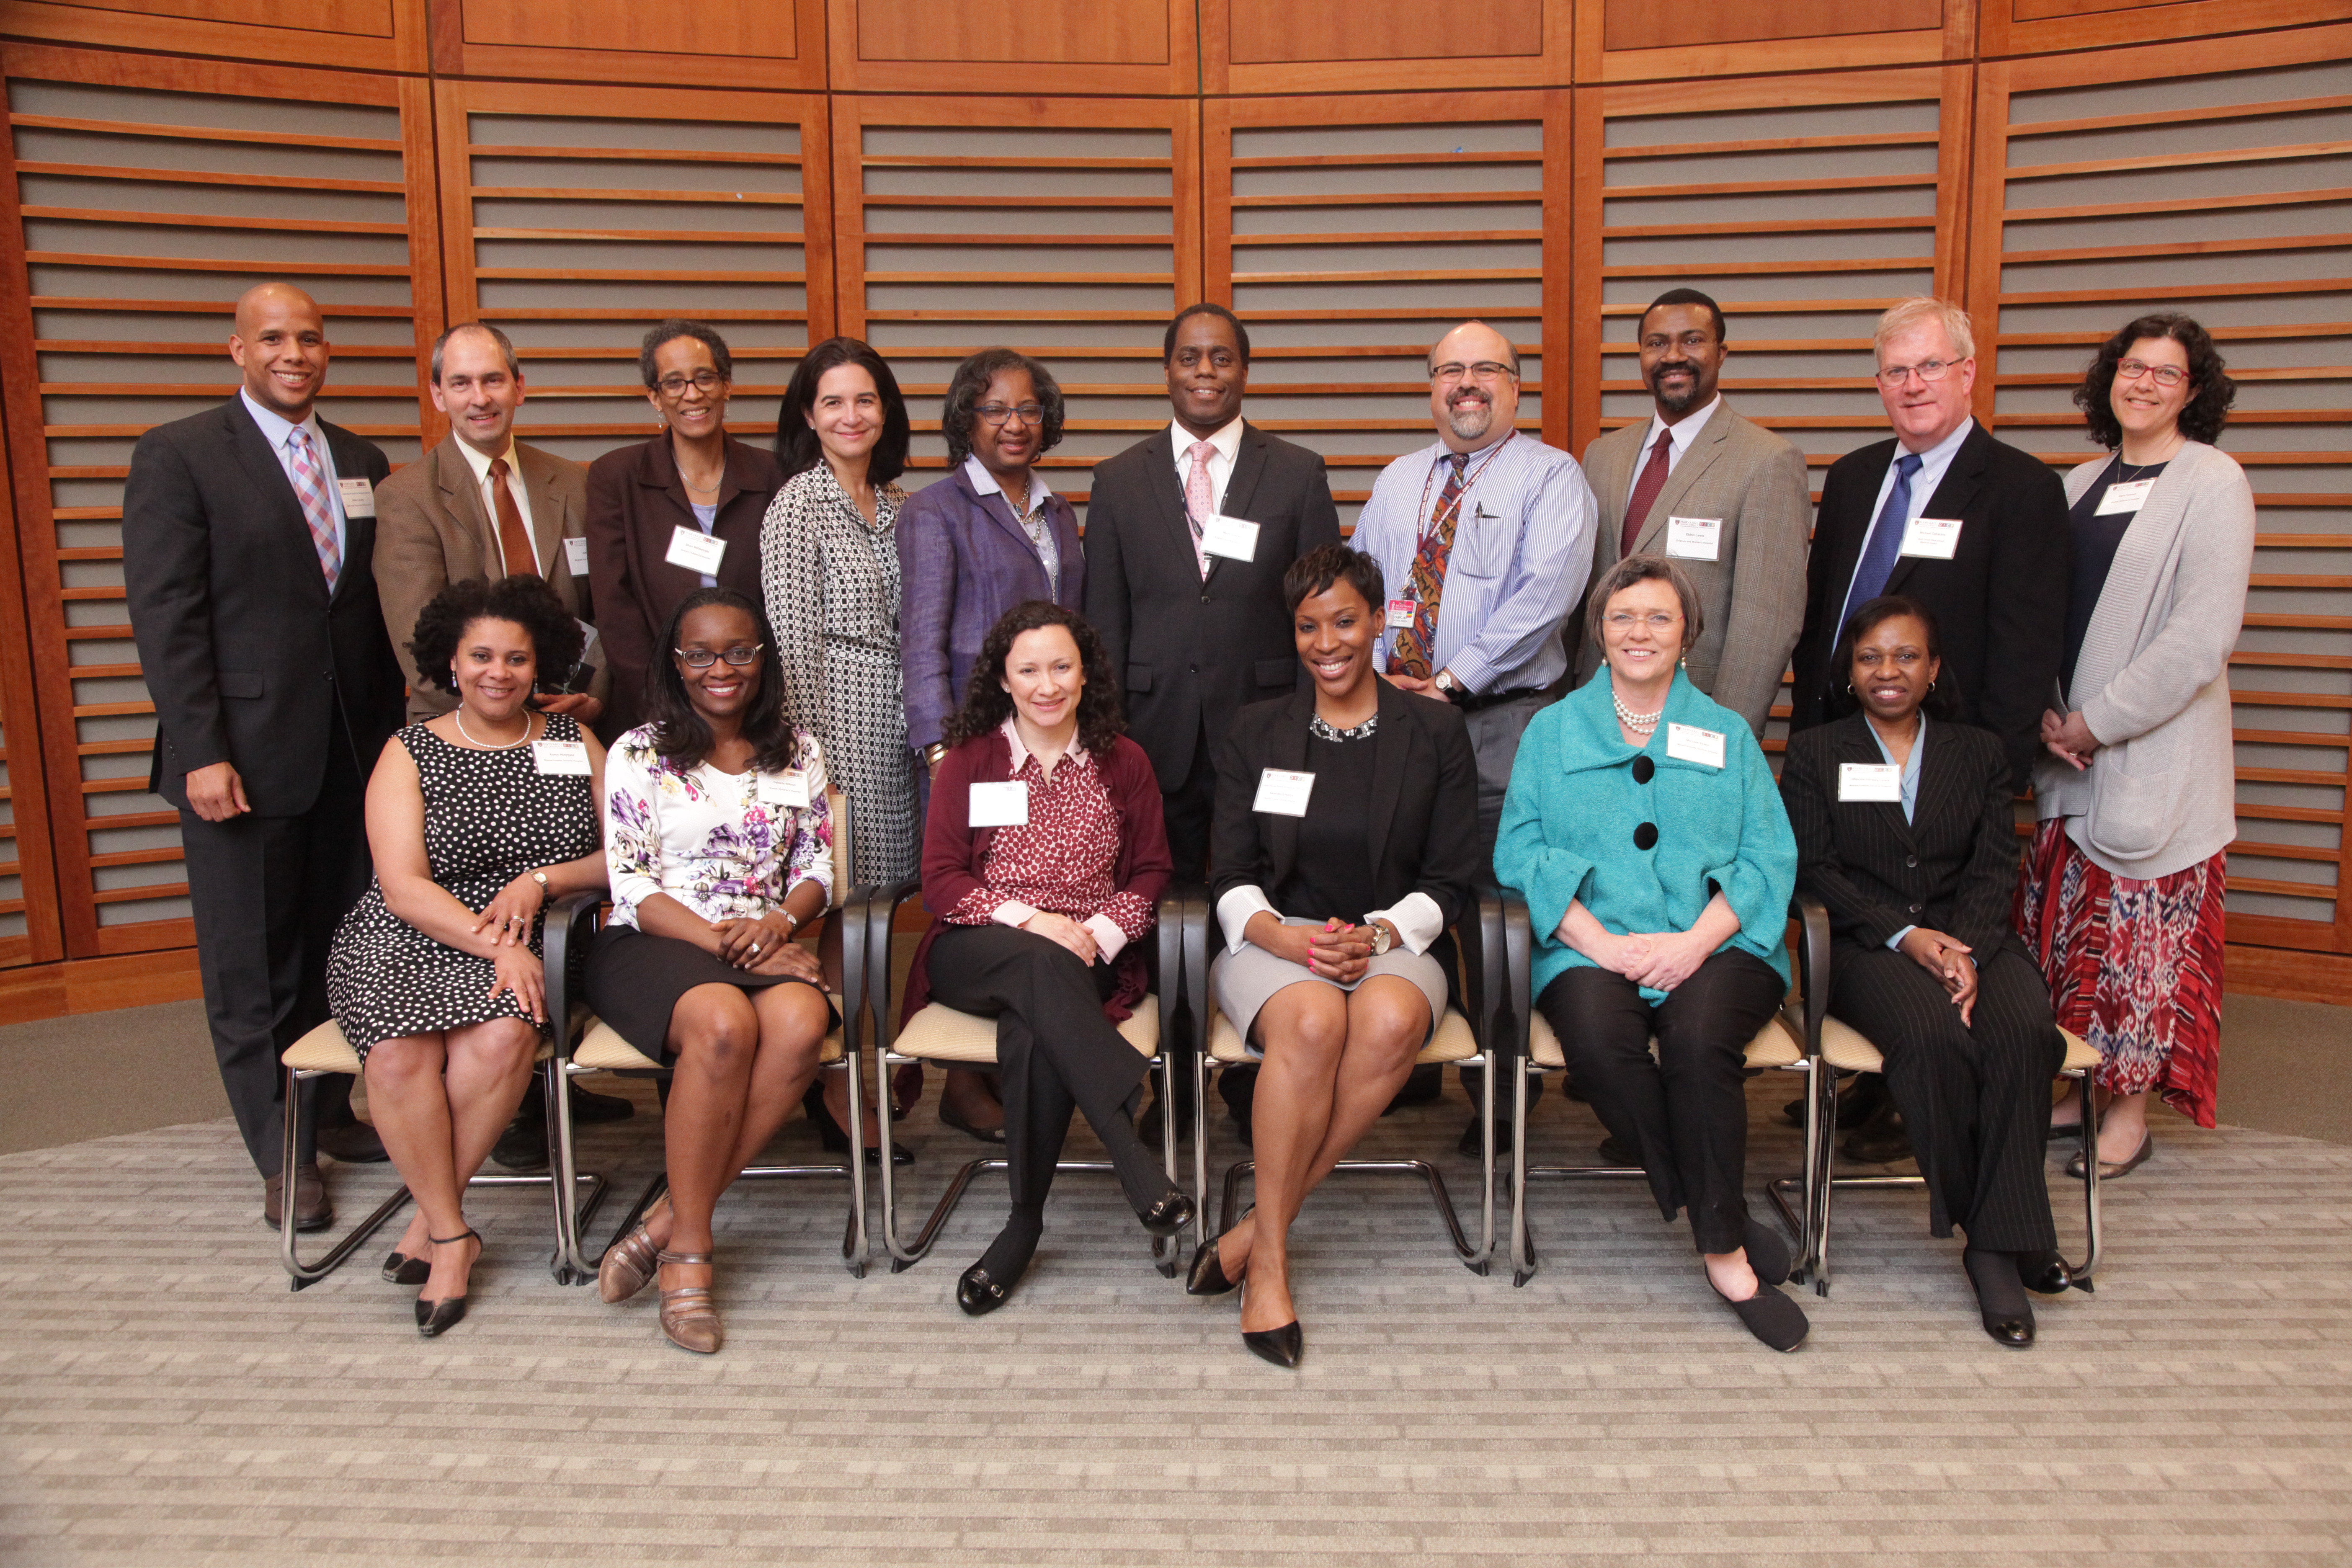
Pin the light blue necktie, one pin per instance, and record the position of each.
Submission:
(1885, 540)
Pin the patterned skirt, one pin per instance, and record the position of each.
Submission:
(2133, 967)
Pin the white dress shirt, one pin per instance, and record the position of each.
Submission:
(1033, 521)
(277, 430)
(481, 467)
(1226, 442)
(1684, 434)
(1418, 920)
(1933, 464)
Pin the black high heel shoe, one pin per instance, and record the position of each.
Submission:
(835, 1139)
(439, 1317)
(1282, 1346)
(399, 1269)
(1207, 1277)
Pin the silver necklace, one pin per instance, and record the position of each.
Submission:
(1323, 729)
(486, 746)
(1640, 724)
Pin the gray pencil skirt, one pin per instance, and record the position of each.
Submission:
(1244, 981)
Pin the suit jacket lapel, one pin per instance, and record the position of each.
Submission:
(1001, 514)
(1706, 447)
(1168, 491)
(1856, 744)
(546, 506)
(463, 501)
(1391, 744)
(359, 532)
(260, 465)
(1288, 751)
(1249, 466)
(1958, 487)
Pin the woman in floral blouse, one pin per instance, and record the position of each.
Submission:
(721, 850)
(1044, 857)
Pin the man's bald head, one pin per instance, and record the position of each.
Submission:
(280, 344)
(1474, 386)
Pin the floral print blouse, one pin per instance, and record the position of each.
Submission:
(706, 837)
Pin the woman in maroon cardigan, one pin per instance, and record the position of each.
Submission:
(1043, 861)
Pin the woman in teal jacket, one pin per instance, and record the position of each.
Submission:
(1644, 830)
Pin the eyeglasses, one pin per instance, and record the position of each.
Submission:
(739, 656)
(1928, 370)
(703, 380)
(1005, 413)
(2166, 376)
(1624, 620)
(1485, 369)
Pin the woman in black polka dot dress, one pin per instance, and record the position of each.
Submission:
(478, 821)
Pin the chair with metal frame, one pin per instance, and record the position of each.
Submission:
(597, 1047)
(1461, 1039)
(1844, 1049)
(941, 1036)
(1789, 1042)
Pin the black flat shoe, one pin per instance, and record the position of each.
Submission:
(1777, 1323)
(2109, 1170)
(1208, 1275)
(833, 1140)
(1469, 1147)
(522, 1147)
(439, 1317)
(2044, 1273)
(1282, 1346)
(2002, 1306)
(1612, 1153)
(979, 1295)
(951, 1116)
(1171, 1214)
(1767, 1253)
(589, 1106)
(399, 1269)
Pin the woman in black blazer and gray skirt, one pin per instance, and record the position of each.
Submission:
(1345, 845)
(1906, 830)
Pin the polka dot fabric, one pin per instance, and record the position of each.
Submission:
(490, 817)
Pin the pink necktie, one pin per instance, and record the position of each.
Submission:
(311, 489)
(1198, 506)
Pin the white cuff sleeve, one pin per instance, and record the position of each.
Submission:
(1234, 910)
(1418, 920)
(1894, 942)
(1013, 912)
(1109, 938)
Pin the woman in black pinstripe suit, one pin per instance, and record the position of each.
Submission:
(1905, 829)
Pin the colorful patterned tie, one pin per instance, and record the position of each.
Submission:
(1645, 491)
(311, 489)
(1198, 505)
(1409, 650)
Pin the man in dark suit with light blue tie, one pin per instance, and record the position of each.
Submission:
(248, 532)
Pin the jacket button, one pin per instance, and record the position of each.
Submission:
(1645, 836)
(1912, 861)
(1914, 909)
(1644, 770)
(1192, 670)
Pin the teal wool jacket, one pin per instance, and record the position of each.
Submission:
(1577, 802)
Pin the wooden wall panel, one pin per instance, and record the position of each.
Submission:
(2042, 27)
(1018, 46)
(1348, 234)
(1631, 24)
(1067, 229)
(776, 44)
(2214, 178)
(578, 218)
(147, 194)
(1395, 45)
(1621, 40)
(360, 35)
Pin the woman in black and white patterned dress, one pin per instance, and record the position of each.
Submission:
(478, 820)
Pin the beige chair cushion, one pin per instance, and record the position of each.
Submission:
(1453, 1042)
(602, 1048)
(324, 1050)
(1845, 1049)
(1778, 1044)
(941, 1034)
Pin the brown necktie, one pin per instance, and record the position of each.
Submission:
(514, 540)
(1645, 491)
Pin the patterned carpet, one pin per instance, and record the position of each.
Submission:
(164, 1399)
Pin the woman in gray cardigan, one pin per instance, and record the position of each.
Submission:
(2121, 895)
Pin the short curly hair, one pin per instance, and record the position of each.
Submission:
(2212, 391)
(1324, 567)
(526, 602)
(669, 332)
(986, 703)
(970, 384)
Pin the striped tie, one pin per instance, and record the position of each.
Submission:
(311, 489)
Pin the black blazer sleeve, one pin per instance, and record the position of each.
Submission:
(167, 576)
(2025, 612)
(1318, 515)
(1108, 608)
(1237, 849)
(1982, 903)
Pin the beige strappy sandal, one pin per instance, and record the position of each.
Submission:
(687, 1316)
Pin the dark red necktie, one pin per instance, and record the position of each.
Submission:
(1645, 491)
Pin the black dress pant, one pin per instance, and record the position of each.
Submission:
(1055, 1049)
(1685, 1115)
(1975, 1097)
(1190, 812)
(267, 893)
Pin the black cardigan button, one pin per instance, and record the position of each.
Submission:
(1645, 836)
(1644, 770)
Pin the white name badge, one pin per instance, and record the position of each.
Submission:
(999, 805)
(1282, 792)
(1869, 781)
(1689, 743)
(1693, 538)
(575, 556)
(1932, 538)
(789, 788)
(1234, 538)
(1402, 612)
(358, 498)
(696, 550)
(2129, 496)
(560, 756)
(587, 637)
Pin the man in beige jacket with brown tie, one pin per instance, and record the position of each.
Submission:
(1724, 498)
(482, 505)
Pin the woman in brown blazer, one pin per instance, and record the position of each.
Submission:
(678, 512)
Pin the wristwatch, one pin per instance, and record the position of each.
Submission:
(1452, 689)
(545, 892)
(933, 752)
(1383, 938)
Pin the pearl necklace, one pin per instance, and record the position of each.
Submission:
(1640, 724)
(486, 746)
